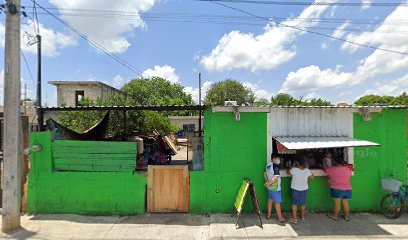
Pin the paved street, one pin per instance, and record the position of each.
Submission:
(216, 226)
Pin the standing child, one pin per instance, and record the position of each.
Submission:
(327, 160)
(273, 183)
(300, 175)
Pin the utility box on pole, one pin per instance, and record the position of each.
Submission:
(12, 127)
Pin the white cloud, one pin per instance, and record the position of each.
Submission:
(236, 50)
(195, 91)
(393, 88)
(366, 4)
(52, 41)
(339, 32)
(118, 82)
(259, 93)
(166, 72)
(111, 33)
(311, 95)
(313, 78)
(324, 46)
(377, 63)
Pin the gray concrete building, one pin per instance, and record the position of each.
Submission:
(186, 123)
(70, 93)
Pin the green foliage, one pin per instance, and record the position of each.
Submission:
(80, 121)
(156, 91)
(229, 90)
(284, 99)
(262, 102)
(372, 100)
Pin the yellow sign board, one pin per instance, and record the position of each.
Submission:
(239, 201)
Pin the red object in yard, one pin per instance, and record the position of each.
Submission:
(139, 164)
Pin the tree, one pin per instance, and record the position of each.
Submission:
(262, 102)
(156, 91)
(229, 90)
(369, 100)
(316, 102)
(284, 99)
(372, 100)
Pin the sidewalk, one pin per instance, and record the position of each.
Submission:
(216, 226)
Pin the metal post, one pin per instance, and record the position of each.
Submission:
(12, 127)
(40, 117)
(199, 103)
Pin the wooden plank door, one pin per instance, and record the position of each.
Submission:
(168, 189)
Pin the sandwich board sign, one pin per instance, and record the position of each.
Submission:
(239, 201)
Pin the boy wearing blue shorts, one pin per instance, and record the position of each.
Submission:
(273, 184)
(300, 176)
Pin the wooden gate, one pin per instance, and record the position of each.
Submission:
(168, 189)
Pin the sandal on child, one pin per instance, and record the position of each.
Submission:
(294, 221)
(331, 217)
(268, 217)
(346, 218)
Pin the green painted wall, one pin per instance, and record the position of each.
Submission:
(93, 193)
(234, 150)
(388, 128)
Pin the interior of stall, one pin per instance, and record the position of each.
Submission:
(315, 158)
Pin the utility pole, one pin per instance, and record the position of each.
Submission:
(40, 116)
(25, 99)
(12, 127)
(199, 103)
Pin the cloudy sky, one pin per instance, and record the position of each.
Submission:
(270, 48)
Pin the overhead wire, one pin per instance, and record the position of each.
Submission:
(301, 3)
(28, 66)
(35, 17)
(113, 56)
(312, 32)
(217, 19)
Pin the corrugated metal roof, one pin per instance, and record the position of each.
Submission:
(310, 122)
(125, 108)
(297, 143)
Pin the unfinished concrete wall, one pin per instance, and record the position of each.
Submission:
(66, 93)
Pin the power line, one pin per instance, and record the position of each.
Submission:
(312, 32)
(116, 58)
(203, 18)
(28, 66)
(240, 23)
(35, 16)
(299, 3)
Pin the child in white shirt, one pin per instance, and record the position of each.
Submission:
(300, 176)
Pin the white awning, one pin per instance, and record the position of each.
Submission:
(297, 143)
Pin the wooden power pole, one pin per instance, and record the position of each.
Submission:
(12, 143)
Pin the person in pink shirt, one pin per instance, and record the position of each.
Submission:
(340, 188)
